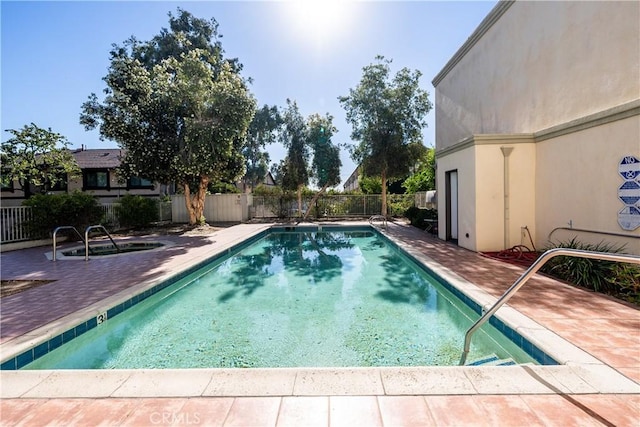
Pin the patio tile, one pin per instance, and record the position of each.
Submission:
(208, 411)
(157, 411)
(354, 411)
(54, 412)
(253, 411)
(506, 411)
(407, 411)
(555, 410)
(618, 410)
(455, 411)
(104, 412)
(305, 411)
(13, 411)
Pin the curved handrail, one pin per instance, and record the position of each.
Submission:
(55, 232)
(603, 256)
(86, 239)
(378, 218)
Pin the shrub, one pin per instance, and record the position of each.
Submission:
(136, 211)
(417, 216)
(601, 276)
(626, 279)
(397, 204)
(49, 211)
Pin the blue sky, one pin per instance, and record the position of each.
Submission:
(54, 54)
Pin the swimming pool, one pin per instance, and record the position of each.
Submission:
(246, 310)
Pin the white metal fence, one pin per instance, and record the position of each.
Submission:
(13, 223)
(13, 220)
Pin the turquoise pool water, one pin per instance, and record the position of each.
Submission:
(291, 299)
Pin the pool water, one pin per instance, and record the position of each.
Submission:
(291, 299)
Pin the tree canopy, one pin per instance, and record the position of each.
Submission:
(177, 107)
(38, 157)
(295, 167)
(424, 176)
(387, 115)
(262, 131)
(326, 163)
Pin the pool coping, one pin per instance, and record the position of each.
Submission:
(580, 373)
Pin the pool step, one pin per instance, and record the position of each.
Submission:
(491, 360)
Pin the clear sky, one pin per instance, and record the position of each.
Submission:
(54, 54)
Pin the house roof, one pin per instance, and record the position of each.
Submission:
(99, 158)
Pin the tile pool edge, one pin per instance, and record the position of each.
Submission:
(257, 382)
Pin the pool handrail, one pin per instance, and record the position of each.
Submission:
(63, 227)
(602, 256)
(378, 218)
(86, 239)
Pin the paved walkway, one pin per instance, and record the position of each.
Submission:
(607, 329)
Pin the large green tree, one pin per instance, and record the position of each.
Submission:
(262, 131)
(37, 157)
(295, 167)
(423, 177)
(326, 163)
(177, 107)
(387, 115)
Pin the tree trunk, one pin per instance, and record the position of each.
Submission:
(195, 202)
(299, 200)
(384, 193)
(312, 203)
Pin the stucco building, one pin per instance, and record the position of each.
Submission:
(538, 126)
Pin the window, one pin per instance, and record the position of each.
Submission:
(96, 179)
(60, 183)
(137, 182)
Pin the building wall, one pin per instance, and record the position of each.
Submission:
(538, 65)
(577, 180)
(497, 227)
(464, 162)
(559, 82)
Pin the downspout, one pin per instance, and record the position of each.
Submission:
(506, 151)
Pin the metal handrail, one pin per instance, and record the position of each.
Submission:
(86, 239)
(584, 230)
(378, 217)
(55, 232)
(603, 256)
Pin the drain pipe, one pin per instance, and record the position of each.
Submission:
(506, 151)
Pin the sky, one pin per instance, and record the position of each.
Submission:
(54, 54)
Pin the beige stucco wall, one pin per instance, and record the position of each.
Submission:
(464, 162)
(490, 192)
(541, 64)
(577, 180)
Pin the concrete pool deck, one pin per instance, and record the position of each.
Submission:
(597, 337)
